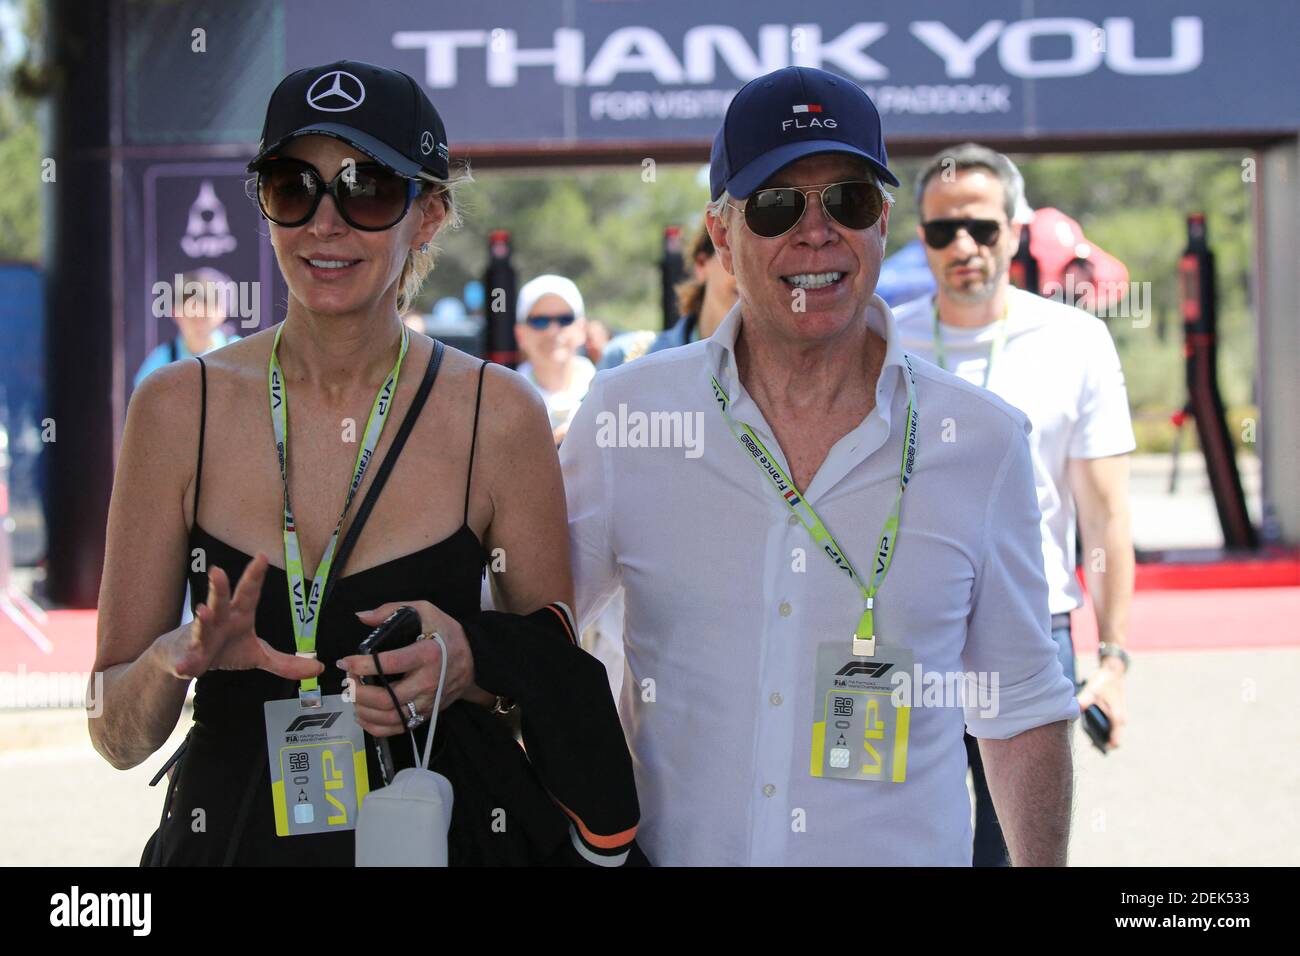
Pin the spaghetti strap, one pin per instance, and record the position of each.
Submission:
(469, 472)
(203, 425)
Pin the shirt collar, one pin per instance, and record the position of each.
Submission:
(721, 350)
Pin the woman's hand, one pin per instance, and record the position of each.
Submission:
(221, 636)
(418, 666)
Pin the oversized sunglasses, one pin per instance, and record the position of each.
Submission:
(369, 197)
(540, 322)
(939, 233)
(773, 212)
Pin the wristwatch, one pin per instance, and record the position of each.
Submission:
(1105, 650)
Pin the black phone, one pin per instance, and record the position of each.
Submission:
(399, 629)
(1097, 726)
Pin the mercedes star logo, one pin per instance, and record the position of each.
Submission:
(426, 143)
(336, 92)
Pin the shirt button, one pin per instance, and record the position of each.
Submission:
(792, 521)
(776, 699)
(785, 609)
(768, 790)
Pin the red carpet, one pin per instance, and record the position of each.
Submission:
(71, 632)
(1227, 619)
(1212, 568)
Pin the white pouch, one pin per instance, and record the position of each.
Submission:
(406, 822)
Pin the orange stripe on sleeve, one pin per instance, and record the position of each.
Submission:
(563, 620)
(612, 842)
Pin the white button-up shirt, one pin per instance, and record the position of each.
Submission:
(727, 600)
(1058, 366)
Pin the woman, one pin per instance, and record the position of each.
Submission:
(354, 179)
(703, 301)
(551, 328)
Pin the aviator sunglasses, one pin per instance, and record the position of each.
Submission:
(369, 197)
(773, 212)
(939, 233)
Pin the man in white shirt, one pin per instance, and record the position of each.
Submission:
(747, 491)
(1058, 365)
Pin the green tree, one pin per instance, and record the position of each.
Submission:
(21, 226)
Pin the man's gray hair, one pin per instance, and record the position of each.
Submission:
(955, 159)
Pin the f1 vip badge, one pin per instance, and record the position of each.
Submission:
(318, 765)
(858, 731)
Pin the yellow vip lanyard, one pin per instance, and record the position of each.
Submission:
(864, 638)
(306, 605)
(999, 339)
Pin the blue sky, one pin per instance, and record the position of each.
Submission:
(11, 32)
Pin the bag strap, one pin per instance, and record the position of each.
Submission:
(381, 476)
(437, 703)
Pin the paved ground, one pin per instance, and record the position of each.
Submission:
(1209, 775)
(1186, 518)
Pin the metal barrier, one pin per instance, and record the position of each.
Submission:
(25, 614)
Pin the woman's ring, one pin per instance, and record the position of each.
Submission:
(415, 720)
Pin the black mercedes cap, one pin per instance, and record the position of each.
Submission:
(382, 112)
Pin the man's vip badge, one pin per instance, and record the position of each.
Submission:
(858, 732)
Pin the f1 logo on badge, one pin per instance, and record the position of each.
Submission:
(307, 721)
(852, 668)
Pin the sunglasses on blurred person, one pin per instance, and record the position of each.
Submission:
(542, 322)
(939, 233)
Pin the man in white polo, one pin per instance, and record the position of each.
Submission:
(793, 533)
(1058, 365)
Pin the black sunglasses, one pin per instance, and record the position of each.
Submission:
(773, 212)
(369, 197)
(939, 233)
(541, 322)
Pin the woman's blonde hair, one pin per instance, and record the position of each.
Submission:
(690, 291)
(419, 262)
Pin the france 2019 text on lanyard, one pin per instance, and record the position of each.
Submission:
(864, 638)
(306, 604)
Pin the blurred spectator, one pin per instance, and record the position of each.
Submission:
(551, 329)
(702, 300)
(598, 336)
(198, 318)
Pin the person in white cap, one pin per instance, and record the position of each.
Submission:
(551, 328)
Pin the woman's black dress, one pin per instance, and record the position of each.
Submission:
(224, 772)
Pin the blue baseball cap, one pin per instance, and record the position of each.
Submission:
(787, 115)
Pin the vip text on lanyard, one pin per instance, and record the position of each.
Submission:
(864, 637)
(306, 603)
